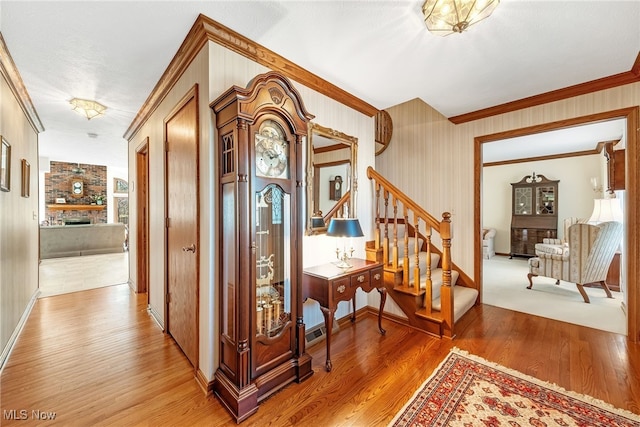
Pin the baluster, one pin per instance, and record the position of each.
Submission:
(405, 260)
(377, 231)
(394, 250)
(428, 296)
(385, 247)
(416, 266)
(445, 234)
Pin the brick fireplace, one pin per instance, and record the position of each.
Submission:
(57, 186)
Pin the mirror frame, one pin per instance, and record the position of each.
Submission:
(351, 142)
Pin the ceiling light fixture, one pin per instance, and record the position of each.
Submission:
(444, 17)
(88, 108)
(77, 170)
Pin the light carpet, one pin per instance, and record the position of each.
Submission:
(466, 390)
(505, 285)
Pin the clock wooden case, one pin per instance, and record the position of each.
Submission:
(335, 188)
(261, 132)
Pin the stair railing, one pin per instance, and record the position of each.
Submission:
(340, 209)
(386, 248)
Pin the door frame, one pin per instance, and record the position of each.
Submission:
(191, 94)
(142, 218)
(632, 180)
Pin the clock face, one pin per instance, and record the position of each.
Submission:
(271, 151)
(77, 188)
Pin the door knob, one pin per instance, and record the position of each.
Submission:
(191, 248)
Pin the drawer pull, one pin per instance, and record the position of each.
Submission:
(341, 289)
(361, 278)
(377, 276)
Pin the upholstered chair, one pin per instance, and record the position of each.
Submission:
(488, 235)
(557, 246)
(586, 259)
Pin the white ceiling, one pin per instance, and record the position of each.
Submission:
(567, 140)
(380, 51)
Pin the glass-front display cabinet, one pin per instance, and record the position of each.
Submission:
(261, 134)
(534, 214)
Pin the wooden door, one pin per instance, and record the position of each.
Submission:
(181, 133)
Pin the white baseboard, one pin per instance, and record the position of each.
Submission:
(6, 351)
(156, 317)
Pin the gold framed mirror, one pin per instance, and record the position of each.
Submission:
(331, 177)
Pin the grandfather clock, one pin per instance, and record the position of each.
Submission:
(261, 132)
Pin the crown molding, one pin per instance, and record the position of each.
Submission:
(206, 29)
(10, 73)
(628, 77)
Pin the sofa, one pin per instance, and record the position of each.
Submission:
(76, 240)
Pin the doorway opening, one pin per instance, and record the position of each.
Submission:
(629, 268)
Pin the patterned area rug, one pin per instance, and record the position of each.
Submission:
(466, 390)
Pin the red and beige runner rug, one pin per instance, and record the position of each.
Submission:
(466, 390)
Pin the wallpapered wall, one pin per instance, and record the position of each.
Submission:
(19, 220)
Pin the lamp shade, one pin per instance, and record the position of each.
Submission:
(344, 227)
(606, 210)
(317, 222)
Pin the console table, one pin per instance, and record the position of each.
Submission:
(328, 285)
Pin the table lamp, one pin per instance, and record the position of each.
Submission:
(606, 210)
(343, 228)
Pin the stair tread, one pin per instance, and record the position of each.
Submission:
(410, 290)
(436, 277)
(464, 299)
(435, 316)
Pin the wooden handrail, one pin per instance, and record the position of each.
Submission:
(386, 246)
(406, 200)
(338, 208)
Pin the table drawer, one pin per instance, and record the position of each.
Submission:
(340, 289)
(360, 279)
(376, 277)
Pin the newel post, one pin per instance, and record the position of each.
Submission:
(446, 293)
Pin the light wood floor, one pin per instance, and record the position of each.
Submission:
(73, 274)
(96, 358)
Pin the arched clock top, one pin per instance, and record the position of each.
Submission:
(264, 93)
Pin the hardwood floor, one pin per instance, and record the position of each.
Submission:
(97, 358)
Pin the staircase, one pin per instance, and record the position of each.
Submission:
(420, 277)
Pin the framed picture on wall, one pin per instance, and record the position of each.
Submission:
(5, 166)
(26, 178)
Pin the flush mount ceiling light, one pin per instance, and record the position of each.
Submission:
(444, 17)
(88, 108)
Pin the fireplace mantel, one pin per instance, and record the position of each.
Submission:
(70, 207)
